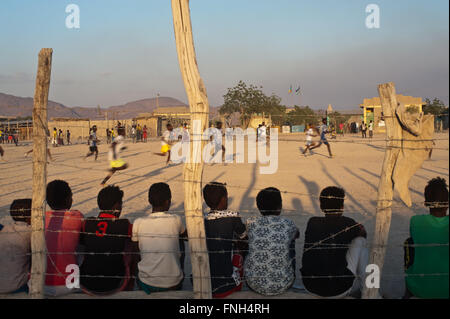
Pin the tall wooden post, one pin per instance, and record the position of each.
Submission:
(38, 246)
(193, 168)
(385, 188)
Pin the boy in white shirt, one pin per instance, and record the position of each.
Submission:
(158, 235)
(309, 139)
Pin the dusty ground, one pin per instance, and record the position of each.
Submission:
(356, 168)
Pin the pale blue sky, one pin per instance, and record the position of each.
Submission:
(125, 50)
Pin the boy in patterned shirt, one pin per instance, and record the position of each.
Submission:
(269, 266)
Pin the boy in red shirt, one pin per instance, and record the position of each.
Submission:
(62, 232)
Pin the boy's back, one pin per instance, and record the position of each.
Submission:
(15, 247)
(268, 267)
(336, 232)
(62, 232)
(102, 235)
(429, 230)
(225, 226)
(158, 237)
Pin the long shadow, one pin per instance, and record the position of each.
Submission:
(314, 190)
(433, 171)
(246, 201)
(378, 148)
(297, 205)
(359, 178)
(354, 200)
(378, 176)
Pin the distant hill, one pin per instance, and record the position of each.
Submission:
(11, 105)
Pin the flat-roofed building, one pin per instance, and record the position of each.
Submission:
(372, 109)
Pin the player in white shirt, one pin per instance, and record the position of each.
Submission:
(169, 137)
(309, 139)
(216, 135)
(262, 132)
(116, 163)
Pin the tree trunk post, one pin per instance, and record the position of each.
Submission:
(193, 168)
(385, 188)
(38, 246)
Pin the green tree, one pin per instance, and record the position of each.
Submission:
(435, 107)
(302, 115)
(248, 100)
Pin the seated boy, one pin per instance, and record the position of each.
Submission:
(15, 248)
(426, 251)
(62, 234)
(103, 235)
(222, 227)
(158, 235)
(335, 251)
(269, 267)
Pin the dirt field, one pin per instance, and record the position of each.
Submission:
(356, 168)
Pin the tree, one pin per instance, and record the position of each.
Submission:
(302, 115)
(435, 107)
(248, 100)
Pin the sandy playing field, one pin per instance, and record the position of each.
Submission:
(356, 168)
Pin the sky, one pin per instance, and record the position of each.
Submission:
(125, 50)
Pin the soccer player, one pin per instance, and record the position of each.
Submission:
(93, 149)
(167, 140)
(116, 163)
(309, 139)
(323, 130)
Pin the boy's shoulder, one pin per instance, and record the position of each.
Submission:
(213, 215)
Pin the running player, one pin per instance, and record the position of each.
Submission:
(323, 130)
(168, 138)
(116, 163)
(93, 149)
(309, 139)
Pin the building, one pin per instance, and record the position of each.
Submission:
(372, 109)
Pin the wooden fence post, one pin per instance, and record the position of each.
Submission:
(385, 188)
(193, 168)
(38, 246)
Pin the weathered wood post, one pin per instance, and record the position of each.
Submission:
(193, 168)
(38, 246)
(385, 188)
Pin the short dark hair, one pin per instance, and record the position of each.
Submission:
(436, 193)
(108, 197)
(269, 201)
(213, 192)
(332, 199)
(158, 193)
(20, 209)
(58, 192)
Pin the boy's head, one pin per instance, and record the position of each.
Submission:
(216, 196)
(169, 127)
(219, 125)
(59, 195)
(332, 200)
(436, 195)
(324, 121)
(269, 201)
(109, 199)
(20, 210)
(159, 196)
